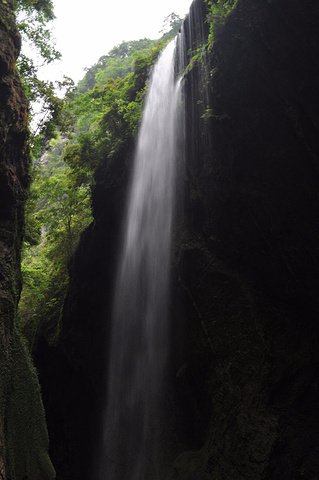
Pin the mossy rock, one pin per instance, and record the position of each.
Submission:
(25, 434)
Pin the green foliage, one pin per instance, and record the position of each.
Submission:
(33, 18)
(107, 115)
(109, 100)
(172, 23)
(53, 114)
(197, 56)
(58, 209)
(81, 158)
(43, 8)
(218, 11)
(120, 61)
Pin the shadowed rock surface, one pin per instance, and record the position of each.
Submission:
(243, 389)
(23, 432)
(247, 253)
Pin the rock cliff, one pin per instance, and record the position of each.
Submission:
(243, 387)
(23, 433)
(247, 251)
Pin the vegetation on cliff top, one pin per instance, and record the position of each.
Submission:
(105, 110)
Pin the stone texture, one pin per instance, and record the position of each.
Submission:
(247, 252)
(23, 433)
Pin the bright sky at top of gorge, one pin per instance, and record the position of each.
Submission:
(86, 30)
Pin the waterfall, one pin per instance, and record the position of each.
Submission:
(140, 330)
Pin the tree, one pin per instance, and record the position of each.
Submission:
(172, 23)
(33, 20)
(57, 212)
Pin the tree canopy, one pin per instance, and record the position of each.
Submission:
(103, 112)
(34, 18)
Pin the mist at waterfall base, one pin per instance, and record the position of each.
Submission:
(140, 330)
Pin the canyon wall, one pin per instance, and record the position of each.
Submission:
(242, 388)
(246, 258)
(23, 432)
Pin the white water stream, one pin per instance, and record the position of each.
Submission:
(140, 339)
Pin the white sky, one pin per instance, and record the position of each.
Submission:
(86, 30)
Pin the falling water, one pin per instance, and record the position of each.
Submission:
(140, 317)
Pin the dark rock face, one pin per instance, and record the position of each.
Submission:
(13, 166)
(23, 434)
(243, 387)
(247, 253)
